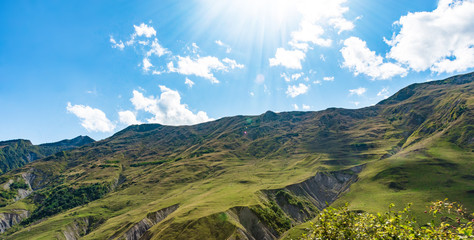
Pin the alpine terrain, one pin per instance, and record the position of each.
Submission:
(245, 177)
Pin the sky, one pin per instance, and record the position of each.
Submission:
(88, 67)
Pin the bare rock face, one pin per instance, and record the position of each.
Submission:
(324, 188)
(255, 229)
(139, 229)
(9, 219)
(77, 229)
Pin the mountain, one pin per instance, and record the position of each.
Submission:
(251, 177)
(16, 153)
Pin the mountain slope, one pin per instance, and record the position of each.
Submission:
(16, 153)
(252, 177)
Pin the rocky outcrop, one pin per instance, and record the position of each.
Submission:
(301, 201)
(254, 228)
(137, 230)
(76, 229)
(324, 188)
(81, 227)
(9, 219)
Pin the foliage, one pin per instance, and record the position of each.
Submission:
(18, 185)
(273, 216)
(112, 161)
(147, 163)
(341, 223)
(63, 198)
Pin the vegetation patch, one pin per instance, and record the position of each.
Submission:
(341, 223)
(63, 198)
(141, 164)
(273, 216)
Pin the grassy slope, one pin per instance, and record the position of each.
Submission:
(212, 167)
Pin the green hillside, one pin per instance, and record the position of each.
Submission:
(251, 177)
(16, 153)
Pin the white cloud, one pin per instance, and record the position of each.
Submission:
(231, 63)
(317, 16)
(360, 59)
(146, 65)
(383, 93)
(306, 107)
(252, 94)
(156, 72)
(203, 66)
(220, 43)
(286, 77)
(295, 106)
(128, 118)
(92, 119)
(355, 103)
(295, 90)
(322, 57)
(296, 76)
(156, 49)
(288, 58)
(329, 79)
(441, 40)
(144, 30)
(260, 79)
(141, 30)
(358, 91)
(195, 48)
(167, 109)
(189, 82)
(118, 45)
(308, 33)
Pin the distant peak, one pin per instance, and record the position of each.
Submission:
(269, 116)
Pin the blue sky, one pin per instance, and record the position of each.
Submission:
(70, 68)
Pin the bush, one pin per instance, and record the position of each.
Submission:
(18, 185)
(340, 223)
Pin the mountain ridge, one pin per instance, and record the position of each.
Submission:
(236, 173)
(18, 152)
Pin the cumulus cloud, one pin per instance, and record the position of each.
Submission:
(295, 106)
(317, 15)
(156, 49)
(92, 119)
(146, 65)
(383, 93)
(144, 30)
(288, 58)
(220, 43)
(358, 91)
(231, 63)
(295, 90)
(144, 40)
(355, 103)
(360, 59)
(128, 118)
(202, 66)
(167, 108)
(188, 82)
(441, 40)
(141, 30)
(329, 79)
(116, 44)
(308, 33)
(306, 107)
(293, 77)
(296, 76)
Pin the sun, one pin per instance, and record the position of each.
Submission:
(252, 17)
